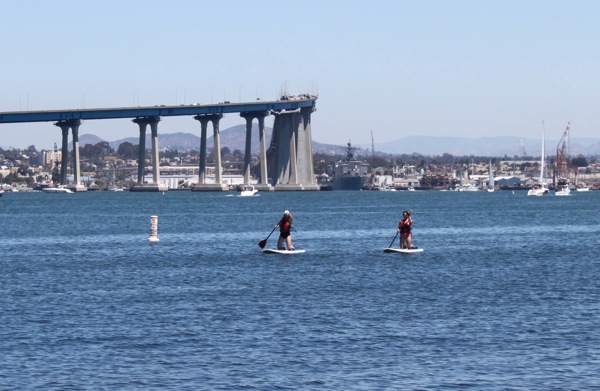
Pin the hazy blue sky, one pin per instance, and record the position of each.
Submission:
(397, 68)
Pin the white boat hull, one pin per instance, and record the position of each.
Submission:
(536, 192)
(56, 190)
(563, 187)
(248, 191)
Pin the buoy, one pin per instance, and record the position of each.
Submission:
(153, 229)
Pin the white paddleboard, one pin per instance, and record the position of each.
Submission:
(275, 251)
(403, 250)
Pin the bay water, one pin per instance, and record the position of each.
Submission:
(506, 295)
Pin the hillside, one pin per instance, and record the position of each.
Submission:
(234, 138)
(485, 146)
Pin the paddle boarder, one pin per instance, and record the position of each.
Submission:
(285, 226)
(404, 228)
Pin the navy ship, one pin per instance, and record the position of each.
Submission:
(350, 174)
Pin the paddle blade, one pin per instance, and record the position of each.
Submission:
(263, 243)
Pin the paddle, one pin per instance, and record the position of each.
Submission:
(263, 243)
(390, 246)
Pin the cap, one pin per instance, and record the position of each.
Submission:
(287, 212)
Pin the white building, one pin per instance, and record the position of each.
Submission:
(52, 156)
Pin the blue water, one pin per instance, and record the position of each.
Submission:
(506, 294)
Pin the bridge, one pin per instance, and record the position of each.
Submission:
(287, 161)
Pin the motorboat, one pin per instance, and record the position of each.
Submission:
(582, 187)
(9, 189)
(562, 187)
(57, 189)
(248, 191)
(536, 190)
(466, 187)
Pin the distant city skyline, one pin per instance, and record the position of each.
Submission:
(434, 68)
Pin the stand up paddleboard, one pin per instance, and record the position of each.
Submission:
(403, 250)
(275, 251)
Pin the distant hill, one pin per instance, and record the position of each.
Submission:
(484, 146)
(234, 138)
(180, 141)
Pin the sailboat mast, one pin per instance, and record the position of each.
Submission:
(543, 159)
(562, 155)
(372, 144)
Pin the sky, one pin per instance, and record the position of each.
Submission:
(387, 68)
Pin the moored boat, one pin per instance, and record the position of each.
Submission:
(466, 187)
(563, 187)
(541, 187)
(536, 190)
(490, 179)
(563, 167)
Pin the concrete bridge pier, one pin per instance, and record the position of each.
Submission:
(143, 122)
(65, 125)
(305, 155)
(202, 185)
(263, 184)
(291, 151)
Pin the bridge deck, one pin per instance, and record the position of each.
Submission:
(151, 111)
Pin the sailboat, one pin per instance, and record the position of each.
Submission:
(542, 186)
(465, 185)
(490, 179)
(562, 185)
